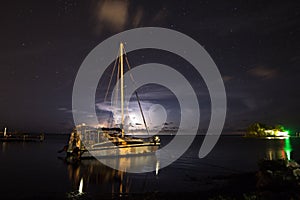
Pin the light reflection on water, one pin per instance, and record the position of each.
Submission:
(107, 180)
(101, 180)
(280, 149)
(33, 171)
(288, 148)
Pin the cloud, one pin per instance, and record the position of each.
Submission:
(133, 117)
(111, 15)
(160, 16)
(105, 107)
(227, 78)
(62, 109)
(263, 72)
(119, 15)
(137, 18)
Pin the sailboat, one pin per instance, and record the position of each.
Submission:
(86, 141)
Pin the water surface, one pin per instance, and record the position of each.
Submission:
(33, 170)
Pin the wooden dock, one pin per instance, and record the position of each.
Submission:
(22, 138)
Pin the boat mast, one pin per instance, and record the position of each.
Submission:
(122, 87)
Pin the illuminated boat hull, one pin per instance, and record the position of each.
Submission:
(122, 150)
(87, 143)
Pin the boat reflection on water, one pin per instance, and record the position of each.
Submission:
(283, 151)
(103, 181)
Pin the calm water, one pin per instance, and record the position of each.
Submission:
(34, 170)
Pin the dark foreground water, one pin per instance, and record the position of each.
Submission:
(35, 170)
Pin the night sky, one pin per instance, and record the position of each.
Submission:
(255, 45)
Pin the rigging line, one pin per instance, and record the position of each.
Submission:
(115, 99)
(131, 77)
(112, 73)
(141, 111)
(136, 94)
(127, 62)
(110, 80)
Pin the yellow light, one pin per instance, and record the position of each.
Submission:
(282, 133)
(80, 186)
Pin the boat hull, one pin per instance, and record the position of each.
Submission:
(121, 150)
